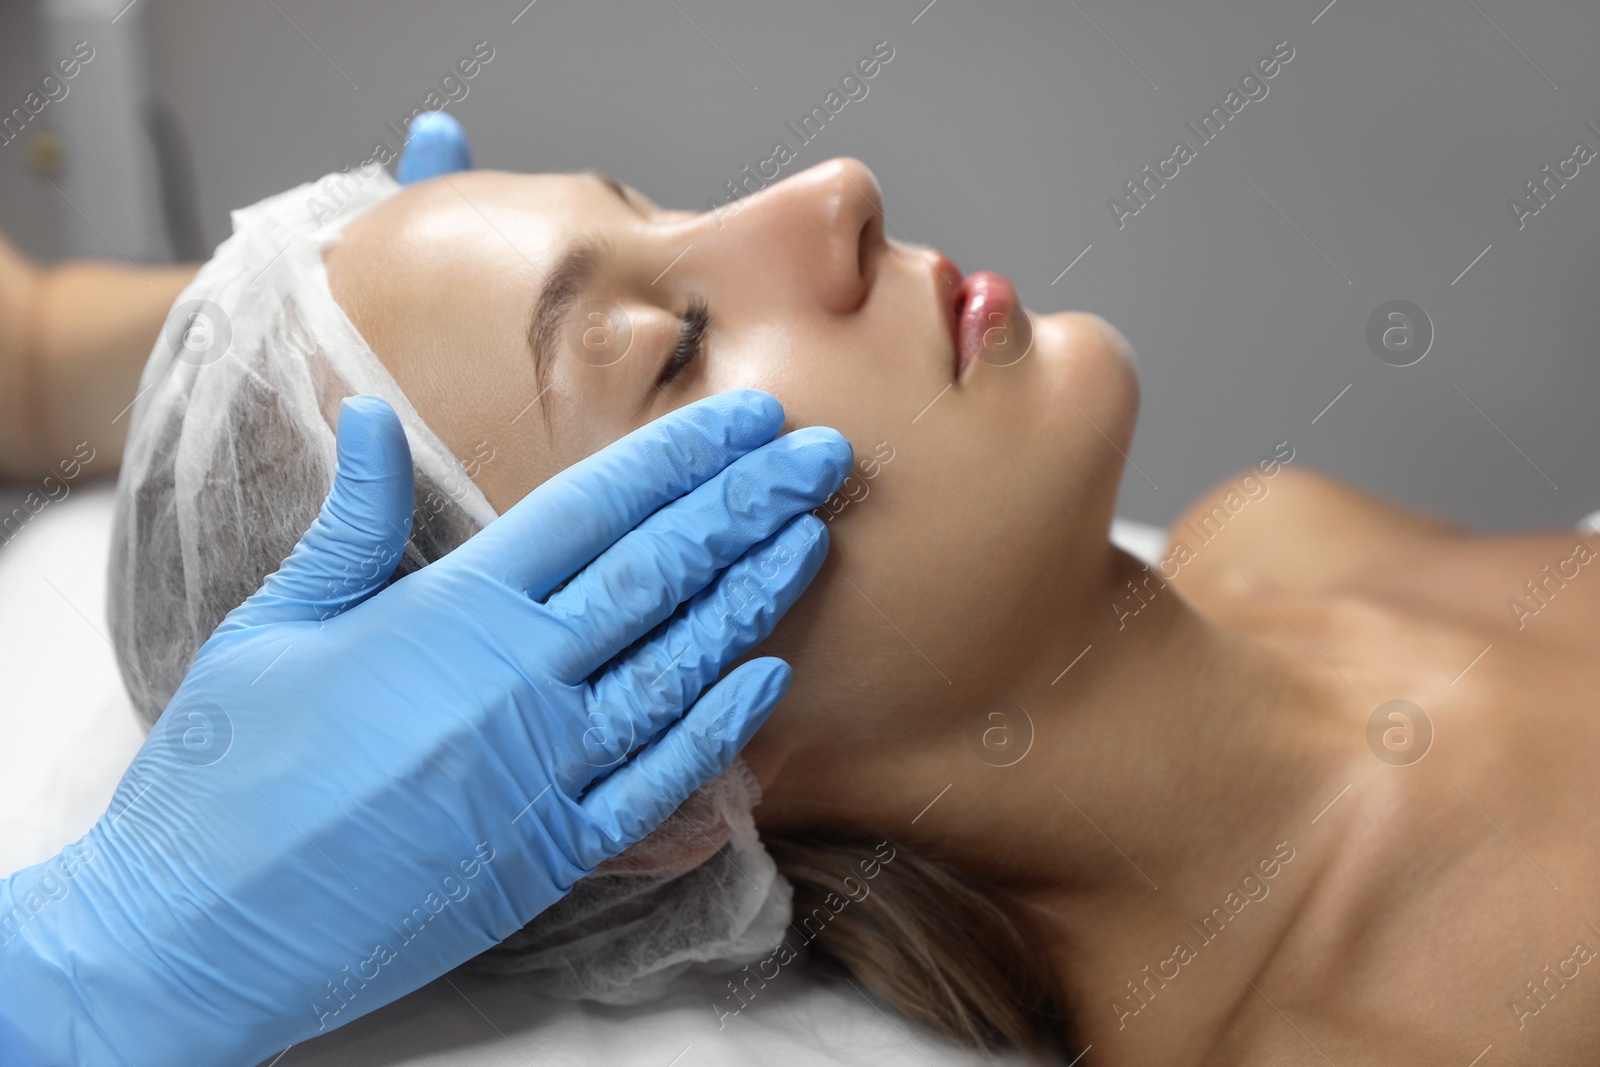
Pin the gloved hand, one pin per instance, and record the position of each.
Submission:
(354, 791)
(438, 145)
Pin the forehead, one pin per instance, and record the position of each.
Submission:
(459, 260)
(484, 214)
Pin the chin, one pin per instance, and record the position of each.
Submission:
(1089, 396)
(1091, 364)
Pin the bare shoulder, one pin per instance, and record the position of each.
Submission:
(1292, 529)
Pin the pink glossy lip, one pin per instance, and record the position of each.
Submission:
(986, 311)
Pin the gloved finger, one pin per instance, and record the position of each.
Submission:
(675, 553)
(545, 537)
(652, 685)
(355, 543)
(437, 145)
(633, 799)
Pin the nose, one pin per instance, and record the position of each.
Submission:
(826, 224)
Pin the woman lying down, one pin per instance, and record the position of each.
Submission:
(1302, 793)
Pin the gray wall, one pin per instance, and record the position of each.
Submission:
(1382, 160)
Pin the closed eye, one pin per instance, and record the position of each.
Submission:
(691, 341)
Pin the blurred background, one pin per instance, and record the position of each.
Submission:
(1379, 167)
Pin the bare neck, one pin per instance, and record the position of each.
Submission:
(1176, 767)
(1190, 768)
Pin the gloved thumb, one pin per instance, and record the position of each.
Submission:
(356, 541)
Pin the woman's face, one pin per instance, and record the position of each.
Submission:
(982, 493)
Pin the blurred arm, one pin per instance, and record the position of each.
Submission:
(73, 341)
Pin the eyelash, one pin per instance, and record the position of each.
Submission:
(691, 340)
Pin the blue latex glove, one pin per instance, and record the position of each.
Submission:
(352, 793)
(438, 145)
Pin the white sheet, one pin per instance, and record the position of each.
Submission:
(68, 729)
(1139, 539)
(69, 734)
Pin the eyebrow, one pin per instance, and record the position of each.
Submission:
(572, 273)
(616, 187)
(566, 281)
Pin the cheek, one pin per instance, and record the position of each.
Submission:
(808, 373)
(957, 529)
(958, 515)
(935, 540)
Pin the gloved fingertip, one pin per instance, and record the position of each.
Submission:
(367, 516)
(758, 400)
(831, 448)
(781, 568)
(769, 684)
(365, 406)
(813, 530)
(374, 485)
(437, 145)
(813, 537)
(370, 440)
(745, 415)
(437, 124)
